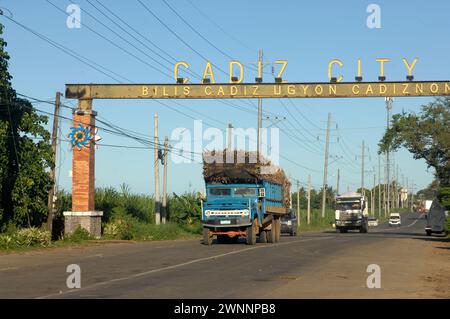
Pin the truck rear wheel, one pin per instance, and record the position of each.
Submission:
(278, 229)
(271, 234)
(207, 238)
(263, 236)
(251, 233)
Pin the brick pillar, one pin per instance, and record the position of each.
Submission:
(83, 179)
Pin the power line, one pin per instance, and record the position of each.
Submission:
(176, 35)
(112, 42)
(64, 49)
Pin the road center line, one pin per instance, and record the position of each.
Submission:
(179, 265)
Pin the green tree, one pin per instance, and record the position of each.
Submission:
(426, 135)
(25, 155)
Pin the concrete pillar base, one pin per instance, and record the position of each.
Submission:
(91, 221)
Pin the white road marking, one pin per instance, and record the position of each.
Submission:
(178, 266)
(8, 268)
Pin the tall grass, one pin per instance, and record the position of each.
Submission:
(127, 215)
(316, 222)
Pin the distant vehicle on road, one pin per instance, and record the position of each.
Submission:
(395, 219)
(289, 223)
(373, 221)
(436, 219)
(351, 213)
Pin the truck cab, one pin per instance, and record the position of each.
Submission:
(230, 205)
(351, 213)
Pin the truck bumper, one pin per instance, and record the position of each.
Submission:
(226, 223)
(349, 224)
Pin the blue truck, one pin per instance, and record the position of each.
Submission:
(241, 202)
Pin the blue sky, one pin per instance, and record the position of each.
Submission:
(307, 34)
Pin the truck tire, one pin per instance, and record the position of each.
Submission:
(271, 234)
(428, 232)
(263, 236)
(363, 229)
(278, 229)
(251, 233)
(207, 238)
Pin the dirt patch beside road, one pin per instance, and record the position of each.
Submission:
(410, 268)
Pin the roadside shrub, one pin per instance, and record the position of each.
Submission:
(25, 237)
(120, 225)
(80, 234)
(184, 209)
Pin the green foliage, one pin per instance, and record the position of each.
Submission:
(120, 225)
(444, 197)
(25, 155)
(125, 227)
(430, 191)
(79, 235)
(139, 206)
(425, 135)
(25, 237)
(184, 209)
(317, 222)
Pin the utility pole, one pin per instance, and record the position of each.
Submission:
(164, 199)
(51, 193)
(388, 101)
(325, 169)
(397, 193)
(308, 216)
(298, 203)
(412, 196)
(407, 192)
(230, 137)
(362, 170)
(260, 67)
(379, 187)
(337, 183)
(372, 192)
(402, 192)
(156, 165)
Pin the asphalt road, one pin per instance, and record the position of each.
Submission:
(295, 267)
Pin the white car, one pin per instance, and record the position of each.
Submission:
(395, 220)
(372, 222)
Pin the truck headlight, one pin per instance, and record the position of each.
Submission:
(207, 213)
(289, 223)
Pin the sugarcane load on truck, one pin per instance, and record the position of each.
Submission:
(244, 198)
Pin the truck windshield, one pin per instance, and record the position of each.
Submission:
(245, 191)
(348, 205)
(220, 191)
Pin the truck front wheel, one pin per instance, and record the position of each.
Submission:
(251, 233)
(207, 238)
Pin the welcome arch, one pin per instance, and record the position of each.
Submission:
(83, 162)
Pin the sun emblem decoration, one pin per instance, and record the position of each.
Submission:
(80, 136)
